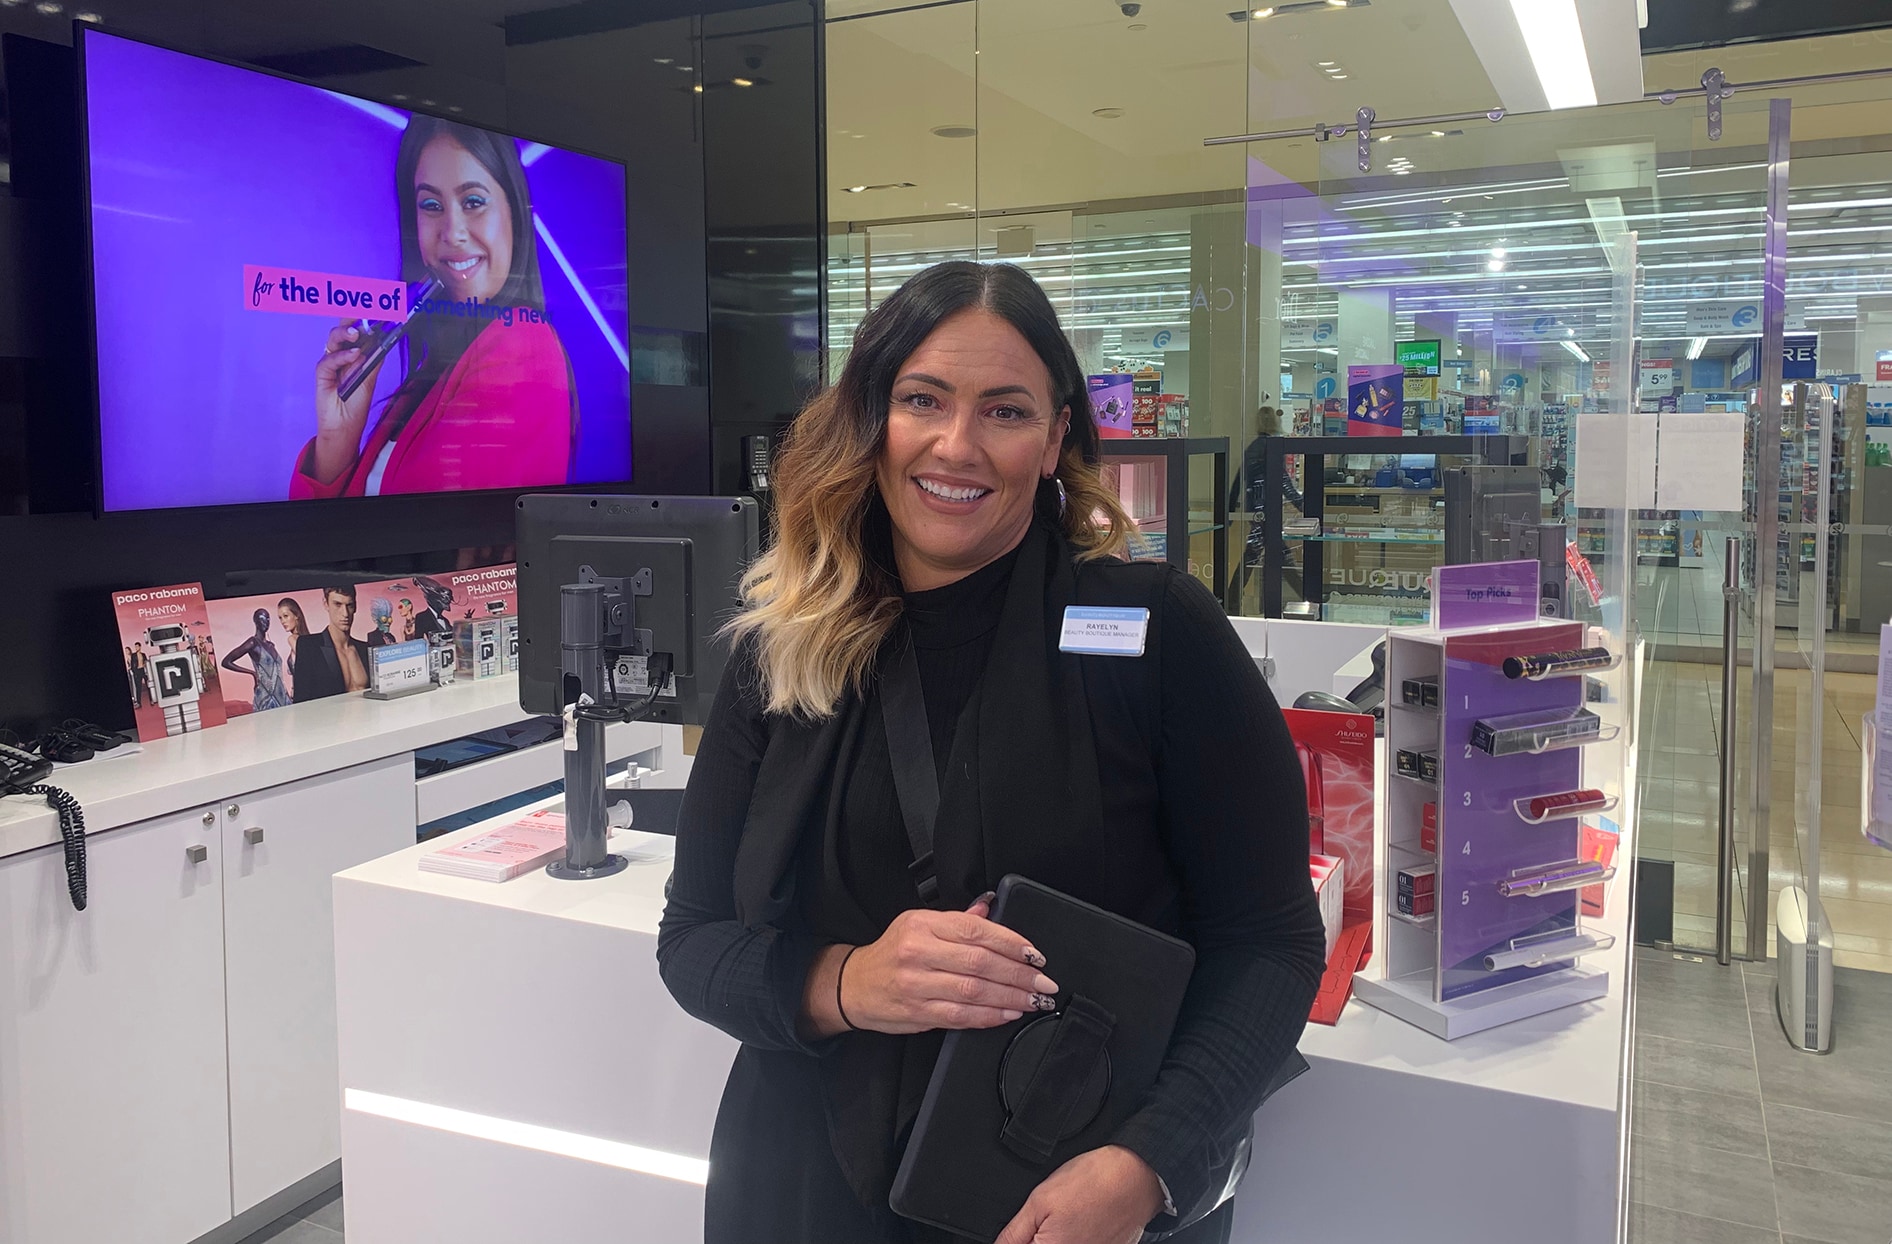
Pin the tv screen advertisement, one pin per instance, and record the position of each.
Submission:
(301, 294)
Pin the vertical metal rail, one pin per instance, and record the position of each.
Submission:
(1730, 682)
(1767, 519)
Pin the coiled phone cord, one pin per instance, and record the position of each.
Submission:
(72, 829)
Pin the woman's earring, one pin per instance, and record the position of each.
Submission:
(1061, 497)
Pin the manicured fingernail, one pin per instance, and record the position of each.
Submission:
(987, 897)
(1011, 1015)
(1044, 984)
(1033, 957)
(1043, 1002)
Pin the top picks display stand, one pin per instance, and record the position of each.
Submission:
(1484, 861)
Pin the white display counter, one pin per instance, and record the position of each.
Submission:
(513, 1068)
(167, 1056)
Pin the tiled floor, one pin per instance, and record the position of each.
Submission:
(318, 1222)
(1736, 1138)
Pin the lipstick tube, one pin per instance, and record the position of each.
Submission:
(1538, 665)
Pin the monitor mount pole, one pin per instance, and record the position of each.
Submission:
(597, 627)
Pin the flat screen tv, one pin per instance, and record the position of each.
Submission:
(303, 294)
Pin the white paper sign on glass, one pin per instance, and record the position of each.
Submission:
(1699, 467)
(1095, 630)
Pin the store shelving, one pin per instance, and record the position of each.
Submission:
(1504, 937)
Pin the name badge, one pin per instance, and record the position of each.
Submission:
(1102, 632)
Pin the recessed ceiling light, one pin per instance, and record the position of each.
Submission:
(1339, 77)
(686, 68)
(742, 81)
(1108, 114)
(1138, 26)
(455, 108)
(1495, 265)
(1498, 252)
(854, 189)
(1438, 133)
(427, 103)
(1326, 64)
(49, 8)
(399, 99)
(1261, 13)
(663, 60)
(92, 18)
(698, 88)
(952, 131)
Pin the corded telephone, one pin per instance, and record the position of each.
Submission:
(25, 773)
(19, 770)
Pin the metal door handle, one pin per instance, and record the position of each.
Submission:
(210, 818)
(197, 853)
(253, 835)
(233, 809)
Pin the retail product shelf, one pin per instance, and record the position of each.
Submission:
(1555, 878)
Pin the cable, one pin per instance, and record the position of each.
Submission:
(72, 829)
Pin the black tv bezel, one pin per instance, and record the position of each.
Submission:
(211, 509)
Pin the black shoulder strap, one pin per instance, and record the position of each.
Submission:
(915, 780)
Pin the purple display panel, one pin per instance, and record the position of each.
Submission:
(1376, 399)
(197, 169)
(1481, 839)
(1484, 594)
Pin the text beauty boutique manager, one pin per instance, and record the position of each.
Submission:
(944, 496)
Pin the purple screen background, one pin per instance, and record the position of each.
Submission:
(198, 168)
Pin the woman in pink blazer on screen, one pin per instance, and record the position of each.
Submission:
(488, 399)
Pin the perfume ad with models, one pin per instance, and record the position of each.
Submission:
(170, 660)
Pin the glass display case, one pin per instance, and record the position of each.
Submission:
(1372, 522)
(1176, 492)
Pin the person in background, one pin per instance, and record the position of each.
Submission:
(332, 660)
(943, 499)
(1248, 492)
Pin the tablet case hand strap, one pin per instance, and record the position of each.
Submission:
(1064, 1091)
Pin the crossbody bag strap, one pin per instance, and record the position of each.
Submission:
(915, 779)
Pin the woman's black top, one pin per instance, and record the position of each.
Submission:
(1228, 797)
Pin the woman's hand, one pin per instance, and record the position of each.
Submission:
(1106, 1196)
(930, 969)
(338, 424)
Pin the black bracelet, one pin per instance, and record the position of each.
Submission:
(839, 973)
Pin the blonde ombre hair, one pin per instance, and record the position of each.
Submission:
(821, 600)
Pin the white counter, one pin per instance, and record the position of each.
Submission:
(513, 1068)
(256, 751)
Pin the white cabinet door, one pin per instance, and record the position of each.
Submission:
(114, 1102)
(281, 849)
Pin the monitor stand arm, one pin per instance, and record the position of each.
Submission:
(597, 622)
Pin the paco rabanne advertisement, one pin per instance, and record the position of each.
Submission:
(170, 660)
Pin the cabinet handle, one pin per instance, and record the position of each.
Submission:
(210, 818)
(233, 809)
(253, 835)
(197, 853)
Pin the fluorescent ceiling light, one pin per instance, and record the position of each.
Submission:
(1576, 350)
(1554, 37)
(1696, 346)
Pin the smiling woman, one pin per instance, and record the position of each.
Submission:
(487, 400)
(938, 512)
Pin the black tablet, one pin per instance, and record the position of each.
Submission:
(1007, 1106)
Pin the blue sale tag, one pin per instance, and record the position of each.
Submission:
(1104, 632)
